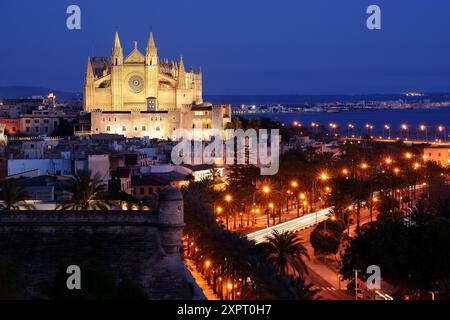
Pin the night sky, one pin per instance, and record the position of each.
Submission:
(243, 46)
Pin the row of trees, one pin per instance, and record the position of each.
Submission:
(235, 267)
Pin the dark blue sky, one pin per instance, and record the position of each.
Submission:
(244, 46)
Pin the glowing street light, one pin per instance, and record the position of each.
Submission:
(406, 129)
(228, 198)
(323, 176)
(350, 128)
(294, 184)
(424, 128)
(442, 129)
(388, 128)
(266, 189)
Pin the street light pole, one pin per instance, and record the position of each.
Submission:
(356, 283)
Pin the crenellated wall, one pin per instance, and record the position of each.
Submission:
(143, 246)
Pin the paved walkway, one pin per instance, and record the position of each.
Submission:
(201, 282)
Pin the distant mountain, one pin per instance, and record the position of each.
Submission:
(25, 92)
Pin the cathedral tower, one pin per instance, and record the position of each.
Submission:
(117, 74)
(151, 69)
(88, 86)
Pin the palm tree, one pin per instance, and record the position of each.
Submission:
(13, 195)
(87, 192)
(235, 124)
(285, 251)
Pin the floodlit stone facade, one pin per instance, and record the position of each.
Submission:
(143, 95)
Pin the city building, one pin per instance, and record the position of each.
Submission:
(145, 96)
(438, 154)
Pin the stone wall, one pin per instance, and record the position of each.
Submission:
(136, 246)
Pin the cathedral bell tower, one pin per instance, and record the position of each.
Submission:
(117, 74)
(151, 69)
(88, 86)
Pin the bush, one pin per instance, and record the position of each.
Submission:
(327, 241)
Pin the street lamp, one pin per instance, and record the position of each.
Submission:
(388, 128)
(442, 129)
(228, 199)
(369, 128)
(406, 129)
(350, 128)
(424, 128)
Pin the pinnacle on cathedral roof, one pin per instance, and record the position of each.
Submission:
(151, 42)
(181, 65)
(89, 70)
(117, 40)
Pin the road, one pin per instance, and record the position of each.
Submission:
(405, 141)
(300, 223)
(323, 276)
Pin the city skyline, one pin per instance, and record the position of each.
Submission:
(287, 49)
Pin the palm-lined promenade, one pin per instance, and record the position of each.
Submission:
(372, 188)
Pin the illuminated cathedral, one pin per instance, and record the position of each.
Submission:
(142, 95)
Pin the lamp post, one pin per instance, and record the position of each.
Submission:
(294, 185)
(350, 128)
(442, 129)
(388, 128)
(424, 128)
(219, 212)
(272, 207)
(266, 191)
(228, 199)
(405, 128)
(356, 283)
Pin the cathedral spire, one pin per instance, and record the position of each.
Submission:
(151, 43)
(181, 66)
(151, 54)
(117, 41)
(89, 70)
(117, 52)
